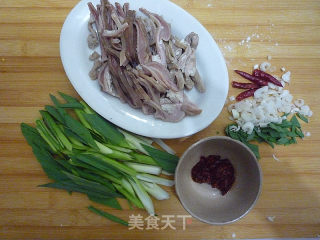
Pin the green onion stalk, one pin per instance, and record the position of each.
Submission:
(82, 152)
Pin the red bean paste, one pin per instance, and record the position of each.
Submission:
(217, 172)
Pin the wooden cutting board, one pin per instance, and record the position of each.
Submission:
(246, 32)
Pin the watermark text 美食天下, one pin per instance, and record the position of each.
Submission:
(158, 222)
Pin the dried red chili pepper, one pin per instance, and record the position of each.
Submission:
(246, 94)
(265, 76)
(253, 79)
(245, 85)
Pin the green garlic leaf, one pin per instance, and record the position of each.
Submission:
(303, 118)
(167, 161)
(110, 202)
(108, 216)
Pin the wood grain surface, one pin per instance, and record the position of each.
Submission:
(247, 31)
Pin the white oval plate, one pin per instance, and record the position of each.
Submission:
(212, 68)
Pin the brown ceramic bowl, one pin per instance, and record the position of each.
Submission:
(206, 203)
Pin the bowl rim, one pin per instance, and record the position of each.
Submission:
(218, 138)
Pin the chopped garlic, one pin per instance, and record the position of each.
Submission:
(234, 128)
(307, 134)
(299, 102)
(234, 235)
(283, 69)
(271, 218)
(279, 88)
(231, 106)
(286, 76)
(275, 158)
(295, 110)
(232, 98)
(261, 91)
(271, 85)
(305, 110)
(256, 66)
(235, 114)
(269, 58)
(265, 66)
(248, 127)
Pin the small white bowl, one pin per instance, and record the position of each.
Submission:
(206, 203)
